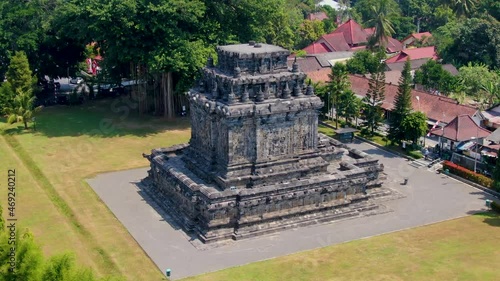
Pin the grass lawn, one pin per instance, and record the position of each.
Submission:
(461, 249)
(70, 145)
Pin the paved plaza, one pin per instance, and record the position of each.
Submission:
(429, 198)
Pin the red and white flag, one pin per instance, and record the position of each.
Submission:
(433, 127)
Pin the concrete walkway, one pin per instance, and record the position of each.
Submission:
(429, 198)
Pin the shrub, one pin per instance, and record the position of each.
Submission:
(415, 154)
(468, 174)
(495, 207)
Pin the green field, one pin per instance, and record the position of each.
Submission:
(75, 143)
(71, 144)
(461, 249)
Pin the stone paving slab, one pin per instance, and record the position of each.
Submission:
(430, 198)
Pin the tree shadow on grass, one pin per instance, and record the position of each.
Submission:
(489, 217)
(101, 118)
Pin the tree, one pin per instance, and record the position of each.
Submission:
(373, 100)
(414, 125)
(491, 91)
(402, 27)
(19, 74)
(433, 76)
(382, 12)
(367, 9)
(496, 173)
(402, 106)
(344, 13)
(310, 31)
(476, 40)
(461, 8)
(338, 85)
(364, 62)
(473, 78)
(6, 97)
(349, 106)
(20, 108)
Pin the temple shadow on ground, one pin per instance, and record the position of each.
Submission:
(101, 118)
(164, 215)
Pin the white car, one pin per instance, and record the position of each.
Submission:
(76, 80)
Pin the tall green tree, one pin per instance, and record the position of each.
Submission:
(414, 125)
(374, 98)
(339, 84)
(19, 74)
(384, 28)
(21, 81)
(349, 106)
(19, 78)
(402, 105)
(461, 8)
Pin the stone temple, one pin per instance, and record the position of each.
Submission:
(255, 163)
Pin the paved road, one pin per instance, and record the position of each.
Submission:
(429, 198)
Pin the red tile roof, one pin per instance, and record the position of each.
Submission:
(421, 35)
(369, 31)
(414, 54)
(353, 32)
(461, 128)
(319, 76)
(317, 48)
(393, 45)
(336, 41)
(434, 106)
(317, 16)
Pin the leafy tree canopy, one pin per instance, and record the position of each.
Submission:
(365, 62)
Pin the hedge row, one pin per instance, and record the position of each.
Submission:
(468, 174)
(415, 154)
(495, 207)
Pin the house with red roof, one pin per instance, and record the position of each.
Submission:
(437, 108)
(349, 36)
(461, 129)
(411, 39)
(414, 54)
(317, 16)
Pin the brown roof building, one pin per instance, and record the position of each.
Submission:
(461, 128)
(437, 108)
(349, 36)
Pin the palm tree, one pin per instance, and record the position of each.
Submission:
(344, 12)
(383, 26)
(492, 92)
(22, 108)
(338, 85)
(461, 7)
